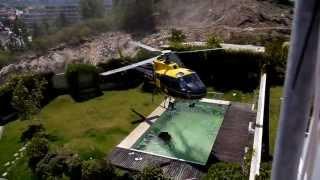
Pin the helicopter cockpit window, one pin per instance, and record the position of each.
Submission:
(190, 78)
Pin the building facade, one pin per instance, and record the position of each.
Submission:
(50, 13)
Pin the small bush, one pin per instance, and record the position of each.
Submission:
(265, 171)
(151, 173)
(36, 150)
(74, 168)
(98, 170)
(31, 131)
(228, 171)
(177, 36)
(214, 41)
(52, 166)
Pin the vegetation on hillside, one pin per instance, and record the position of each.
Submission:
(6, 58)
(92, 8)
(134, 16)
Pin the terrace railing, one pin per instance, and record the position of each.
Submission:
(258, 130)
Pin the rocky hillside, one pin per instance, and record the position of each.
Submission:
(99, 49)
(236, 21)
(230, 19)
(231, 13)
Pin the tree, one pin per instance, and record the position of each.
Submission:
(27, 95)
(98, 170)
(61, 21)
(136, 15)
(92, 8)
(36, 150)
(19, 29)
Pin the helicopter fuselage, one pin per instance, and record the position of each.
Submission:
(178, 82)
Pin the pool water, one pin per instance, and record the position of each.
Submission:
(193, 131)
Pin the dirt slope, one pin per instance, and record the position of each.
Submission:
(236, 21)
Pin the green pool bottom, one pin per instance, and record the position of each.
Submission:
(193, 131)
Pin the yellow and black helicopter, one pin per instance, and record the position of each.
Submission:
(168, 75)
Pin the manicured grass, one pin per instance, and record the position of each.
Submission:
(233, 95)
(91, 129)
(275, 104)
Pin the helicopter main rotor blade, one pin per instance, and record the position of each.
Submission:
(132, 66)
(149, 48)
(200, 50)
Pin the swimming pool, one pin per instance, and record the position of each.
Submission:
(192, 127)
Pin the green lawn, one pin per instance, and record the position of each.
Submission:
(275, 103)
(233, 95)
(91, 128)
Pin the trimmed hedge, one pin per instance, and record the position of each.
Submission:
(124, 80)
(83, 81)
(226, 69)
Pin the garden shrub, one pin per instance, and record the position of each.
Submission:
(214, 41)
(177, 36)
(31, 132)
(98, 170)
(265, 171)
(36, 150)
(151, 173)
(83, 81)
(59, 164)
(5, 100)
(225, 171)
(74, 168)
(52, 166)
